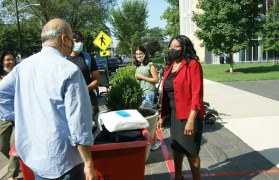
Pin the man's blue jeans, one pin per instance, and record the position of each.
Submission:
(77, 173)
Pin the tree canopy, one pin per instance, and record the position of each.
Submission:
(171, 15)
(153, 47)
(154, 40)
(88, 16)
(129, 24)
(227, 26)
(270, 32)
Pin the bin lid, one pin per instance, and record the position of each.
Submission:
(122, 120)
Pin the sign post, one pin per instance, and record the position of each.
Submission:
(104, 53)
(103, 41)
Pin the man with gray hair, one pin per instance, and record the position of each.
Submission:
(49, 100)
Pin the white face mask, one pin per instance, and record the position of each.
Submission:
(140, 59)
(78, 46)
(7, 69)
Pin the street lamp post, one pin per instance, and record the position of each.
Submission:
(18, 29)
(18, 24)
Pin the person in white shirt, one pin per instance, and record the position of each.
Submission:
(48, 99)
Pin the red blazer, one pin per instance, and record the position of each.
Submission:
(188, 90)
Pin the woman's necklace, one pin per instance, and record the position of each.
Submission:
(175, 67)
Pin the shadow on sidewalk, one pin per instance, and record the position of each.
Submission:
(244, 166)
(224, 155)
(259, 69)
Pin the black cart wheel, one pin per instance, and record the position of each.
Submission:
(209, 119)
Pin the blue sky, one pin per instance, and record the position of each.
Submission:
(155, 10)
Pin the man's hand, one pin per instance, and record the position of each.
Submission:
(90, 173)
(85, 153)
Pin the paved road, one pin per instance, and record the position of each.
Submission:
(267, 88)
(237, 147)
(226, 154)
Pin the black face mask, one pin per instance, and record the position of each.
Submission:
(72, 47)
(174, 54)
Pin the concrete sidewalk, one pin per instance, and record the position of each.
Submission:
(230, 148)
(242, 145)
(252, 118)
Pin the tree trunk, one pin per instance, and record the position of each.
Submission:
(273, 62)
(231, 63)
(131, 51)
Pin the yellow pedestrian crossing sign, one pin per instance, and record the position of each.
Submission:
(102, 41)
(104, 53)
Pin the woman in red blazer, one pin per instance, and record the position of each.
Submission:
(182, 100)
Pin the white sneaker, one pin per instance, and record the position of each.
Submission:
(155, 145)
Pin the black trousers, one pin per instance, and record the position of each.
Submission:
(94, 102)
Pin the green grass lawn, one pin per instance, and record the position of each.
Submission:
(242, 72)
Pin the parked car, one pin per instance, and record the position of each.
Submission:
(101, 62)
(112, 64)
(119, 59)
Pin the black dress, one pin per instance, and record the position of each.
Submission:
(186, 144)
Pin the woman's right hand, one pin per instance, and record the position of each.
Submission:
(139, 76)
(160, 124)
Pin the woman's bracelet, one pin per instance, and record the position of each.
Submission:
(191, 121)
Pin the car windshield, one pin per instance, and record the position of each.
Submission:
(112, 61)
(101, 61)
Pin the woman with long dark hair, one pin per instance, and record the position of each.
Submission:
(182, 100)
(146, 74)
(7, 139)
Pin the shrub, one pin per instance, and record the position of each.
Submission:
(125, 91)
